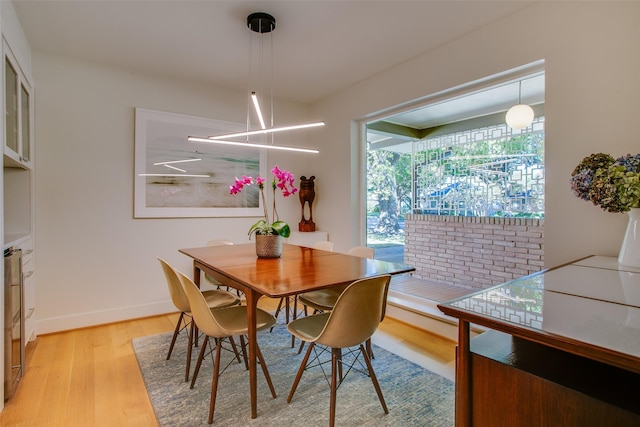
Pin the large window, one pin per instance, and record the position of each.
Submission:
(455, 155)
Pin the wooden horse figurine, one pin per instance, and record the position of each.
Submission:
(307, 194)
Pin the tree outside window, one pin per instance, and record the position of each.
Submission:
(488, 172)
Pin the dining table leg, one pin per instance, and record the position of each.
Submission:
(463, 376)
(252, 304)
(196, 280)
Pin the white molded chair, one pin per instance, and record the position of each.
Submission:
(219, 242)
(219, 324)
(354, 318)
(324, 245)
(209, 279)
(213, 298)
(362, 252)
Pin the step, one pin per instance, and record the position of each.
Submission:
(415, 301)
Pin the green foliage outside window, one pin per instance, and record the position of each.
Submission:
(495, 177)
(487, 172)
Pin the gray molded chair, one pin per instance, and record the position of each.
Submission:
(220, 324)
(213, 298)
(353, 320)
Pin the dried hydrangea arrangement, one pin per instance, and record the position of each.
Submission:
(612, 184)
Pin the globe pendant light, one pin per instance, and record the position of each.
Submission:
(519, 116)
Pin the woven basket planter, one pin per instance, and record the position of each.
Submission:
(268, 245)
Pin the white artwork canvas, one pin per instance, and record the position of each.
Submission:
(175, 177)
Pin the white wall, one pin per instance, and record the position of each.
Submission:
(96, 263)
(592, 63)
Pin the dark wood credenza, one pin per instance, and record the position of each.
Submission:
(562, 348)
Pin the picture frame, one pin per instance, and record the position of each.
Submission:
(176, 178)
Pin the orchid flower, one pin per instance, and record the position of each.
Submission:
(283, 180)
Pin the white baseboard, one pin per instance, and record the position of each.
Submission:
(83, 320)
(423, 317)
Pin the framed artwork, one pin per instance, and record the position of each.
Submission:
(175, 177)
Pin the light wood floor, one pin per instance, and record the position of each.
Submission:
(90, 377)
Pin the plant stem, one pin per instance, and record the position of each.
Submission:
(264, 206)
(275, 212)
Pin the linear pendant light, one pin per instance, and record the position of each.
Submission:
(252, 145)
(256, 105)
(260, 23)
(266, 131)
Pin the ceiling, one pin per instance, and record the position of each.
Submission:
(495, 99)
(477, 108)
(320, 47)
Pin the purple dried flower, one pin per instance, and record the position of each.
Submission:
(630, 163)
(580, 184)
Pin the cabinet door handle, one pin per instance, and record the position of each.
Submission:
(27, 252)
(28, 274)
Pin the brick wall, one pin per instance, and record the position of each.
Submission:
(471, 251)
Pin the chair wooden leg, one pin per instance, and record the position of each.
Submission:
(243, 347)
(195, 331)
(374, 379)
(192, 332)
(199, 362)
(175, 334)
(301, 347)
(214, 381)
(235, 348)
(278, 310)
(303, 365)
(287, 309)
(295, 316)
(265, 371)
(369, 349)
(336, 355)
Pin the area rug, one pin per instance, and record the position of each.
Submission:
(414, 395)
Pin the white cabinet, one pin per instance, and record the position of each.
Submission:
(18, 187)
(18, 108)
(17, 203)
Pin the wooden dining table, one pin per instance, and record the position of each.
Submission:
(299, 269)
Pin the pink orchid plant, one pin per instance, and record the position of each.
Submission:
(282, 180)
